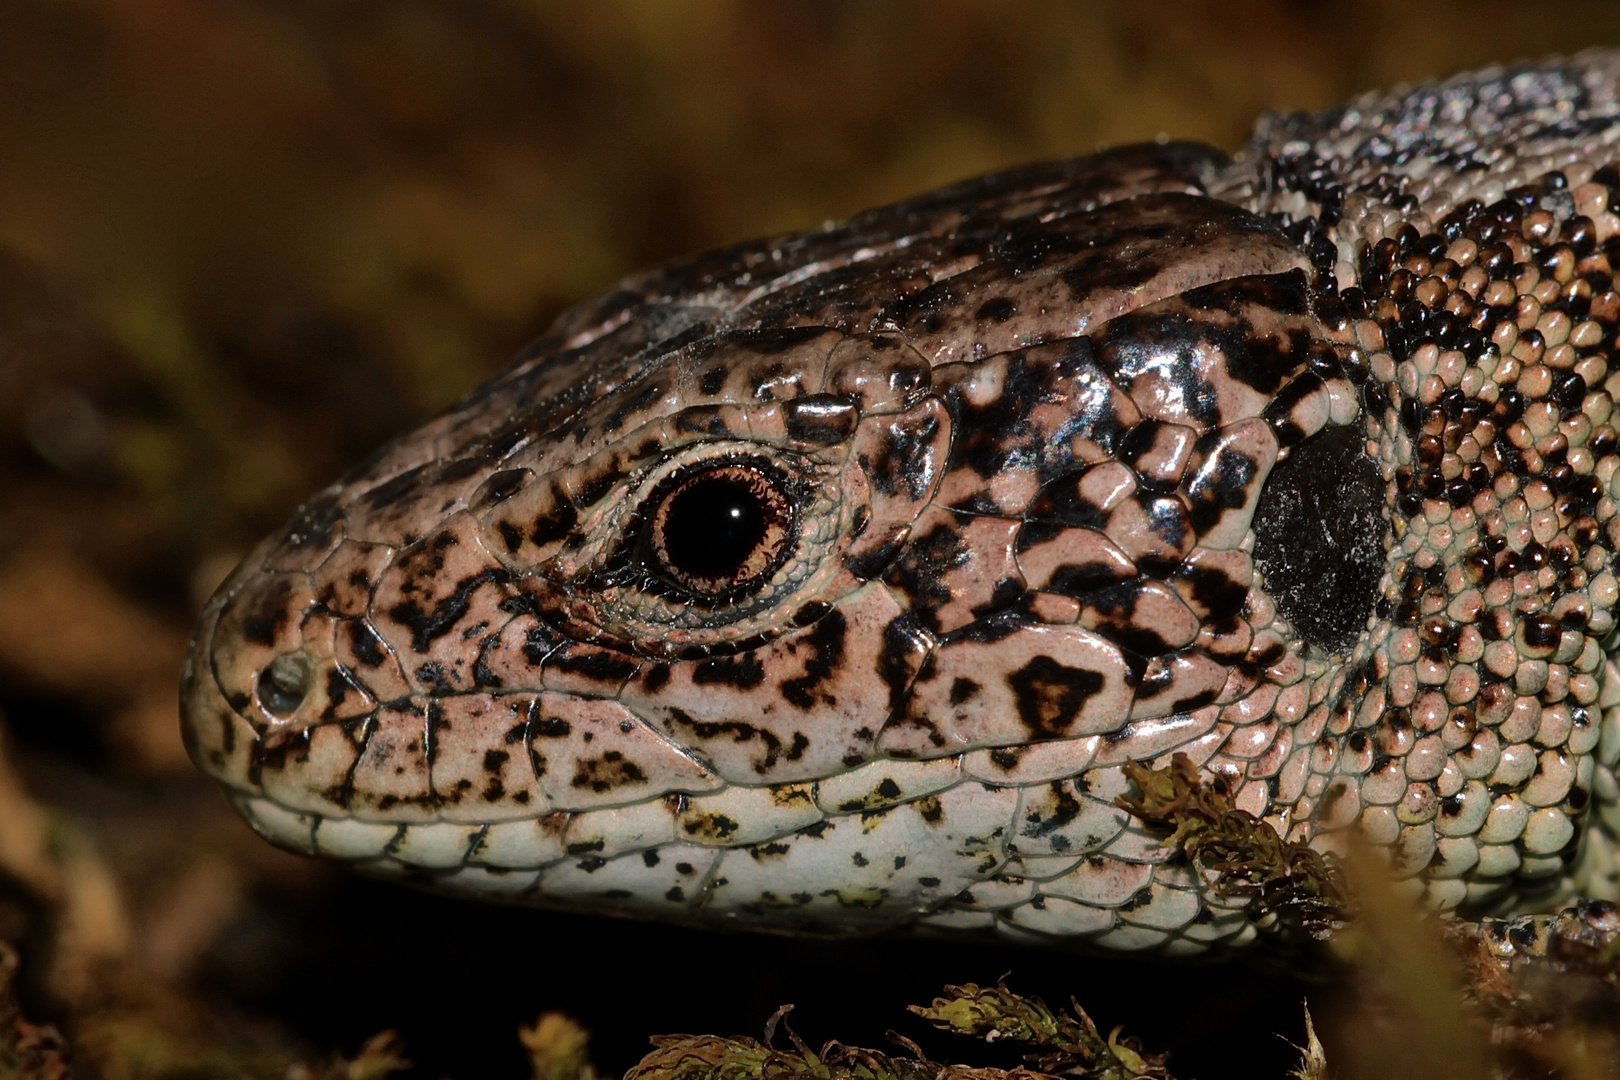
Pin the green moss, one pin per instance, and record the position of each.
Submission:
(711, 1057)
(1057, 1042)
(1245, 855)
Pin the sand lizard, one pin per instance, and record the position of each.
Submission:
(831, 582)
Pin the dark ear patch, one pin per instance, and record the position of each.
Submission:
(1319, 537)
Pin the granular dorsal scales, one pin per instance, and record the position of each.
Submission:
(850, 580)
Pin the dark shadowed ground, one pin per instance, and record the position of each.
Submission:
(243, 241)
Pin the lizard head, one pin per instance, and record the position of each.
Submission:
(833, 581)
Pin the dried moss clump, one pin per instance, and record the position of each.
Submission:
(1547, 988)
(27, 1051)
(559, 1049)
(380, 1056)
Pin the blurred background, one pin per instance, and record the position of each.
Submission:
(244, 241)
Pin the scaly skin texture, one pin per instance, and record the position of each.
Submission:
(1301, 465)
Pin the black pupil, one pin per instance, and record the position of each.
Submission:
(711, 528)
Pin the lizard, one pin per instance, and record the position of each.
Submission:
(856, 580)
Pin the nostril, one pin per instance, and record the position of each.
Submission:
(283, 684)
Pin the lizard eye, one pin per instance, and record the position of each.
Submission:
(722, 529)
